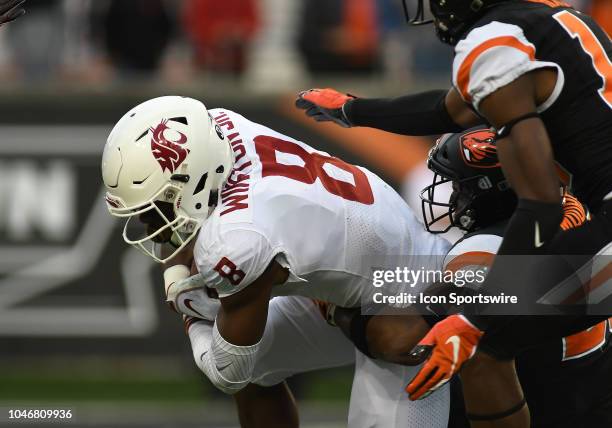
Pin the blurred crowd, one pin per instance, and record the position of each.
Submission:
(105, 40)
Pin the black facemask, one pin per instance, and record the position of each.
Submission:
(451, 18)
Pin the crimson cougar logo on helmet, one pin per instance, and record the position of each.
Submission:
(479, 149)
(169, 154)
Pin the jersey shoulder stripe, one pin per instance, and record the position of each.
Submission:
(490, 57)
(465, 69)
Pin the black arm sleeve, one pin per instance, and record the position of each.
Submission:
(417, 115)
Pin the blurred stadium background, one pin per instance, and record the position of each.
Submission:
(82, 321)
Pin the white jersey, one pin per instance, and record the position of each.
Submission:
(322, 218)
(307, 343)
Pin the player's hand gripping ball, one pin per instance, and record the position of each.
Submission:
(447, 346)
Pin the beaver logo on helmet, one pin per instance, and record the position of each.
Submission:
(169, 154)
(478, 149)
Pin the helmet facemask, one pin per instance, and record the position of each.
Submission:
(454, 211)
(467, 198)
(451, 18)
(420, 16)
(161, 223)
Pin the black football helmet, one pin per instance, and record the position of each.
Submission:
(451, 18)
(481, 194)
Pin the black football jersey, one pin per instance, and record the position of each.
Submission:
(476, 252)
(565, 381)
(517, 37)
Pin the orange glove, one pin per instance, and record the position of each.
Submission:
(447, 346)
(325, 105)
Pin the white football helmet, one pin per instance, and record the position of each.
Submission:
(167, 149)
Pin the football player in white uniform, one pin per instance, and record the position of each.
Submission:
(267, 216)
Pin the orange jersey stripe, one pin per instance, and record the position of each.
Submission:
(584, 342)
(463, 76)
(472, 258)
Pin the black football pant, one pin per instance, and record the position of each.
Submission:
(560, 293)
(570, 394)
(567, 394)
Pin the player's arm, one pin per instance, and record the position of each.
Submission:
(236, 334)
(426, 113)
(389, 333)
(389, 337)
(240, 268)
(242, 317)
(257, 406)
(10, 10)
(526, 156)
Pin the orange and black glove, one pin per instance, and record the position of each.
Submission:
(574, 213)
(325, 105)
(10, 10)
(447, 346)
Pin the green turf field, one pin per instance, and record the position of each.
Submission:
(130, 394)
